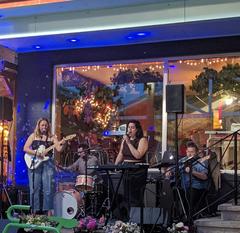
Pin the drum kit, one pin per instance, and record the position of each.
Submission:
(71, 199)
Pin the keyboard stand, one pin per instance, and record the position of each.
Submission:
(115, 192)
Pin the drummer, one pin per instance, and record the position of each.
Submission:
(80, 164)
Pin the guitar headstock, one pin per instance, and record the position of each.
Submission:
(71, 136)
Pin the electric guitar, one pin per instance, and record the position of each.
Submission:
(33, 161)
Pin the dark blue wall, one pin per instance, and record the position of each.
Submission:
(35, 76)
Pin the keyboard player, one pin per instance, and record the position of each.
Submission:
(133, 150)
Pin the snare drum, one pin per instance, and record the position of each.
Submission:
(84, 183)
(67, 203)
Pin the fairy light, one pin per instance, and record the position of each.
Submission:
(4, 133)
(152, 66)
(1, 128)
(116, 67)
(203, 61)
(103, 115)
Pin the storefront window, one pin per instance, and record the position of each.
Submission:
(96, 102)
(212, 106)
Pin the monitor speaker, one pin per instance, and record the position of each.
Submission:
(6, 109)
(175, 98)
(150, 215)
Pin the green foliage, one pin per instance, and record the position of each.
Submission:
(139, 76)
(200, 84)
(228, 78)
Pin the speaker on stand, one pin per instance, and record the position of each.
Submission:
(175, 103)
(175, 98)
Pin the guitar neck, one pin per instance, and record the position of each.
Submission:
(69, 137)
(52, 147)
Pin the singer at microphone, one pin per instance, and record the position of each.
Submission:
(133, 150)
(41, 177)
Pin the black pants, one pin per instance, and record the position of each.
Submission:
(134, 187)
(197, 196)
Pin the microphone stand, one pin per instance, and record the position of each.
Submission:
(190, 220)
(33, 179)
(86, 160)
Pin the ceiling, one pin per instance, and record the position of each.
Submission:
(172, 32)
(113, 37)
(70, 5)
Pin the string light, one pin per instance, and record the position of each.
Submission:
(206, 61)
(152, 66)
(103, 115)
(4, 132)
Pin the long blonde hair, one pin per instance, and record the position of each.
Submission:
(37, 132)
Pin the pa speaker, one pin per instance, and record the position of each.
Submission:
(150, 215)
(6, 109)
(175, 98)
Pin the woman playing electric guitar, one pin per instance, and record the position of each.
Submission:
(41, 177)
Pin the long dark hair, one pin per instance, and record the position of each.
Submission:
(139, 133)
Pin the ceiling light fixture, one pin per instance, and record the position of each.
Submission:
(73, 40)
(141, 34)
(138, 35)
(130, 37)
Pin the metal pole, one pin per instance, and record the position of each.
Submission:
(176, 150)
(164, 113)
(210, 93)
(235, 170)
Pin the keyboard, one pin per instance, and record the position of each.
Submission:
(125, 166)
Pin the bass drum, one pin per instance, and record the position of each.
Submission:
(67, 203)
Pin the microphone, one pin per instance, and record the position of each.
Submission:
(128, 133)
(43, 131)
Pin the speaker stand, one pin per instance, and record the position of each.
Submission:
(176, 199)
(176, 150)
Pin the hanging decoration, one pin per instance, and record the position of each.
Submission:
(91, 106)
